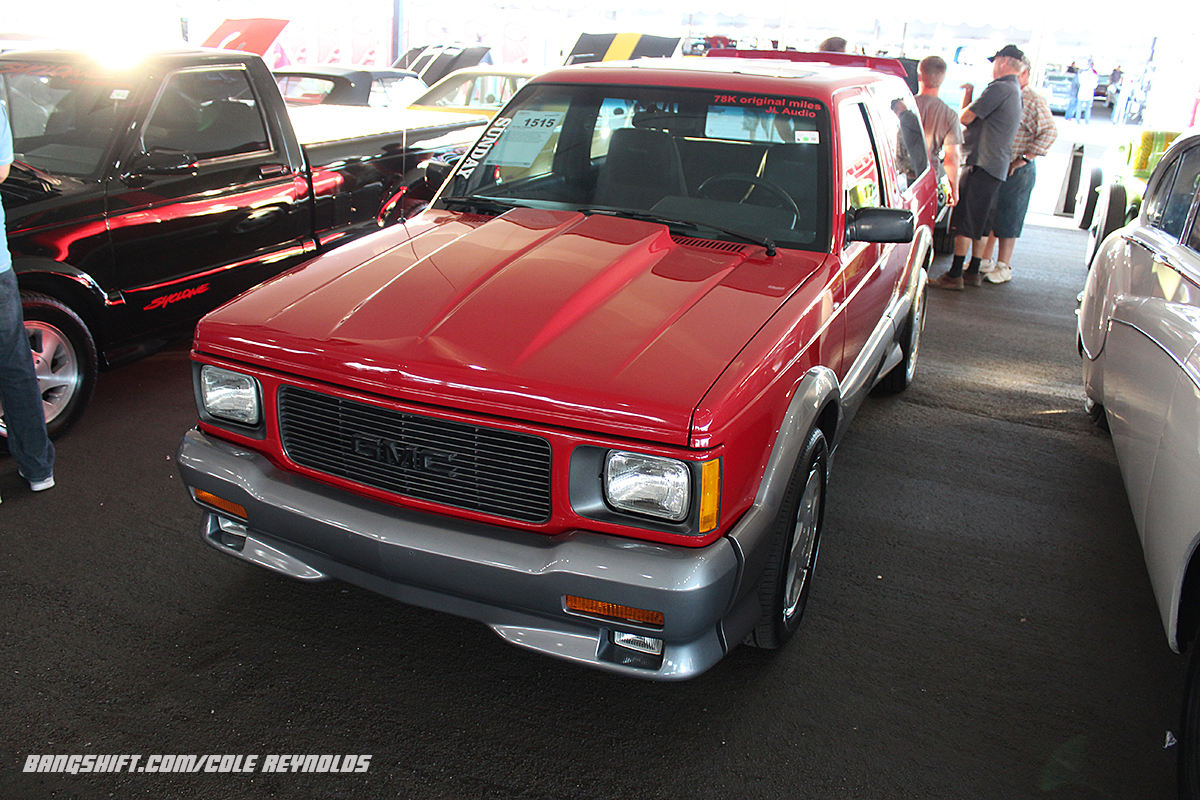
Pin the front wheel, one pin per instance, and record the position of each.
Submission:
(64, 358)
(784, 585)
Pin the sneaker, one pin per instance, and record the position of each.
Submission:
(1001, 274)
(947, 282)
(973, 278)
(42, 485)
(987, 265)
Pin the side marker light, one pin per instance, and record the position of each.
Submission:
(597, 608)
(210, 499)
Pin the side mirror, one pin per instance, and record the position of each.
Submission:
(163, 162)
(880, 225)
(436, 172)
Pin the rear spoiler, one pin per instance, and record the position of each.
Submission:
(892, 66)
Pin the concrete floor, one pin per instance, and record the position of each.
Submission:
(981, 625)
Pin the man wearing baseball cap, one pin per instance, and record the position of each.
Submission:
(989, 127)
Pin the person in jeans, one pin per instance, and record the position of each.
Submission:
(20, 397)
(990, 125)
(1034, 137)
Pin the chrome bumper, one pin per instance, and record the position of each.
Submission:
(512, 581)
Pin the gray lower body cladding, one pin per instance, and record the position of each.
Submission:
(513, 581)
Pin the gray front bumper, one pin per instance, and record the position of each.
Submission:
(512, 581)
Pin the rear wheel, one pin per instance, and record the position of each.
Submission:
(64, 358)
(901, 376)
(784, 585)
(943, 239)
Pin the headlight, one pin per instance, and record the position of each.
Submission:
(229, 395)
(657, 487)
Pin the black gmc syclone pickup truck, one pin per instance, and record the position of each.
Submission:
(147, 193)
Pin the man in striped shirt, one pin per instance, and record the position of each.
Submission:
(1035, 134)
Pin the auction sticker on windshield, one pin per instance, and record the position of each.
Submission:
(525, 137)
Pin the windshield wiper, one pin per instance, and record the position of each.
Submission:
(481, 204)
(645, 216)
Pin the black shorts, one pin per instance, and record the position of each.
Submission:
(972, 216)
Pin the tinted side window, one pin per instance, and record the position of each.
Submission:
(64, 117)
(860, 170)
(902, 128)
(208, 113)
(1172, 200)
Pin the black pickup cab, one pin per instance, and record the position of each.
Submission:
(144, 194)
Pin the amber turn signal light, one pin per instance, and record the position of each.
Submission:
(597, 608)
(210, 499)
(710, 495)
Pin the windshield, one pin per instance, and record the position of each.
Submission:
(731, 166)
(63, 117)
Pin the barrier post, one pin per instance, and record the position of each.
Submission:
(1070, 185)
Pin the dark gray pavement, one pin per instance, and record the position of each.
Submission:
(981, 625)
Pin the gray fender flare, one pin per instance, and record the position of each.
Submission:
(816, 403)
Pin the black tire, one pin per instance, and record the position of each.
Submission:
(1085, 200)
(901, 376)
(943, 239)
(784, 585)
(65, 358)
(1111, 208)
(1189, 731)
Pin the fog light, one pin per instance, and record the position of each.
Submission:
(642, 644)
(232, 534)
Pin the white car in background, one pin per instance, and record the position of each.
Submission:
(1139, 336)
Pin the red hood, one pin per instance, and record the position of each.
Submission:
(590, 322)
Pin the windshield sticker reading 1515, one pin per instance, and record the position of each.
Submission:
(525, 137)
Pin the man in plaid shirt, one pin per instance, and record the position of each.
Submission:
(1034, 137)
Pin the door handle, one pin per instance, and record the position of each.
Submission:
(272, 170)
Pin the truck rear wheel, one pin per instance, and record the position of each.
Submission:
(784, 585)
(901, 376)
(64, 356)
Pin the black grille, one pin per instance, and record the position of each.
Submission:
(465, 466)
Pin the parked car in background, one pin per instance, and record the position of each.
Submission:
(1111, 195)
(589, 397)
(480, 90)
(348, 86)
(1056, 88)
(147, 193)
(1139, 338)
